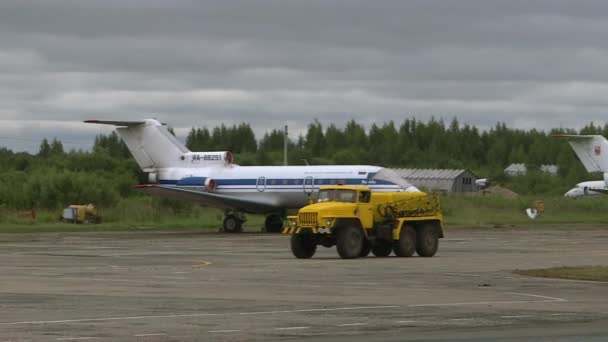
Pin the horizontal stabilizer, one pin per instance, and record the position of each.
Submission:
(206, 198)
(116, 123)
(573, 137)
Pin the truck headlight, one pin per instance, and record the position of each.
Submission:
(293, 223)
(329, 222)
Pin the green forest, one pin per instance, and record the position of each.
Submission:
(54, 178)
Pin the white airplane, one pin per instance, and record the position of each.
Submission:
(590, 188)
(592, 151)
(211, 179)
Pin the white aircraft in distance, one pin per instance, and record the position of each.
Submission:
(211, 179)
(592, 151)
(590, 188)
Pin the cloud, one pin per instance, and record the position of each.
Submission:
(537, 64)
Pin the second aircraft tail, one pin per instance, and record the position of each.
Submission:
(592, 150)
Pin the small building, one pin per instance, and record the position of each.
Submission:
(516, 170)
(443, 180)
(550, 169)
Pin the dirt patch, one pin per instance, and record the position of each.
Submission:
(500, 191)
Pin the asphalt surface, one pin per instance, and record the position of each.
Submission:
(167, 286)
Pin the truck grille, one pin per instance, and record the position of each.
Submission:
(307, 219)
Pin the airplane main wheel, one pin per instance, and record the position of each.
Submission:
(427, 241)
(350, 242)
(406, 245)
(382, 248)
(303, 246)
(273, 224)
(232, 224)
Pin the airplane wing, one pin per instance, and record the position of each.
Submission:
(601, 191)
(116, 123)
(206, 198)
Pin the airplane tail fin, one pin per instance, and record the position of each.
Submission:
(592, 150)
(150, 143)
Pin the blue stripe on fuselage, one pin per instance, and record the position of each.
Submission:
(199, 181)
(191, 181)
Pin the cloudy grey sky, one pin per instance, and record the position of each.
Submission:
(528, 63)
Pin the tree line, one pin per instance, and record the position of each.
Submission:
(54, 177)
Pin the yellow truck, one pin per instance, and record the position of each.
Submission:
(357, 221)
(77, 213)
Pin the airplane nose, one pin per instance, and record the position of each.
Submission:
(570, 193)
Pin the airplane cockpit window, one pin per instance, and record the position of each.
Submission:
(392, 177)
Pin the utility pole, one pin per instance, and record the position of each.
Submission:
(285, 141)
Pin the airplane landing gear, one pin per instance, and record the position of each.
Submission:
(273, 223)
(233, 222)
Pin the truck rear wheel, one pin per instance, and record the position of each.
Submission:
(349, 242)
(365, 249)
(303, 246)
(382, 248)
(427, 241)
(406, 245)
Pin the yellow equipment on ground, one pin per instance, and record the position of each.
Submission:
(80, 214)
(357, 221)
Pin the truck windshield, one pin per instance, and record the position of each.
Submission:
(337, 196)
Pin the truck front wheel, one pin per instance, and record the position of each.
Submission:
(349, 242)
(427, 241)
(406, 245)
(303, 246)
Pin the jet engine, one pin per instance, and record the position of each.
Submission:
(152, 177)
(210, 184)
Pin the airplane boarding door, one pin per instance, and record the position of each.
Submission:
(261, 184)
(309, 185)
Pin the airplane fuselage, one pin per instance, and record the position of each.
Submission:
(279, 186)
